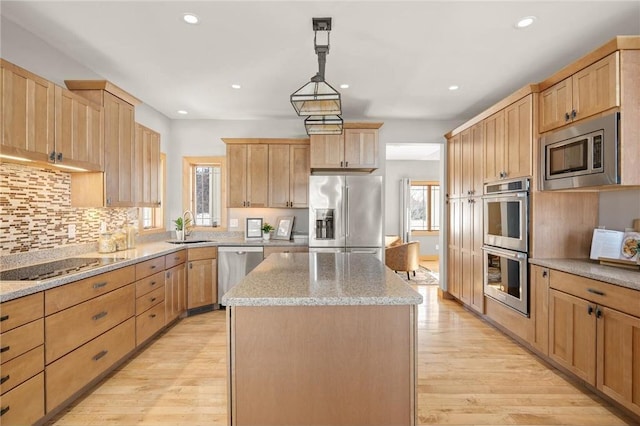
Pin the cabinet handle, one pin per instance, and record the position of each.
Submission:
(598, 312)
(574, 113)
(4, 379)
(545, 274)
(102, 314)
(190, 265)
(52, 156)
(4, 318)
(152, 316)
(100, 355)
(152, 283)
(594, 291)
(6, 348)
(341, 164)
(346, 164)
(589, 309)
(99, 285)
(176, 258)
(153, 299)
(566, 116)
(248, 203)
(153, 266)
(4, 410)
(59, 157)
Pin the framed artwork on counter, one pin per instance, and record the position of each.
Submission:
(254, 227)
(284, 225)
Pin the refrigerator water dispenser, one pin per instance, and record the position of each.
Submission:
(324, 224)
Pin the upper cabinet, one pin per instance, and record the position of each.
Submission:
(288, 175)
(119, 178)
(147, 166)
(248, 168)
(45, 123)
(356, 148)
(589, 91)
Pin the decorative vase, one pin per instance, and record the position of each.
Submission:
(179, 235)
(266, 236)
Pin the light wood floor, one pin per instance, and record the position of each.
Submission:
(468, 374)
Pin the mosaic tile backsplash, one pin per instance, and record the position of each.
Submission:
(35, 211)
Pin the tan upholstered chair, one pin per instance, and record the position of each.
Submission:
(403, 257)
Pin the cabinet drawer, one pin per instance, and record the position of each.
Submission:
(174, 259)
(149, 267)
(202, 253)
(296, 249)
(24, 405)
(75, 370)
(21, 368)
(21, 339)
(72, 327)
(149, 322)
(148, 300)
(610, 295)
(15, 313)
(65, 296)
(150, 283)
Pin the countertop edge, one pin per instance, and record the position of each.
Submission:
(589, 269)
(328, 301)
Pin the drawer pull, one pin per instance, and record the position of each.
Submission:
(100, 285)
(153, 299)
(152, 316)
(153, 283)
(6, 348)
(594, 291)
(4, 379)
(100, 355)
(4, 318)
(102, 314)
(4, 410)
(176, 258)
(153, 266)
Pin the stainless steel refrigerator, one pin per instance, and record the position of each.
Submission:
(345, 214)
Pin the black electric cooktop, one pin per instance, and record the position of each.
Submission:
(56, 268)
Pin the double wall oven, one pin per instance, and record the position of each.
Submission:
(506, 243)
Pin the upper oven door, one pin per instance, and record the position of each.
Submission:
(506, 221)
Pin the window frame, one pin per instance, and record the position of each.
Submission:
(188, 196)
(429, 183)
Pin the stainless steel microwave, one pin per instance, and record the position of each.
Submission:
(582, 155)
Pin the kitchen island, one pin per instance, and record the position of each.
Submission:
(322, 339)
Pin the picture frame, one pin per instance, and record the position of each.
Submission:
(284, 225)
(254, 227)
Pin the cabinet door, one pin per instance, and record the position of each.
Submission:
(572, 334)
(518, 148)
(119, 152)
(477, 276)
(555, 105)
(202, 283)
(181, 273)
(237, 175)
(467, 160)
(327, 151)
(279, 175)
(454, 167)
(619, 357)
(79, 131)
(361, 148)
(454, 274)
(170, 295)
(494, 147)
(27, 124)
(595, 88)
(540, 308)
(299, 176)
(477, 140)
(147, 170)
(258, 175)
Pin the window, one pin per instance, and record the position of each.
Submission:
(152, 218)
(203, 189)
(425, 206)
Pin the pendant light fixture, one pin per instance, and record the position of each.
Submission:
(318, 98)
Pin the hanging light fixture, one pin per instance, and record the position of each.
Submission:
(323, 125)
(318, 98)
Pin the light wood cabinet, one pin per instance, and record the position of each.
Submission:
(202, 277)
(175, 295)
(356, 148)
(539, 302)
(589, 91)
(147, 166)
(288, 175)
(594, 330)
(454, 262)
(248, 168)
(24, 405)
(454, 167)
(508, 142)
(27, 117)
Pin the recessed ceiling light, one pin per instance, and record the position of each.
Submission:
(453, 87)
(344, 86)
(525, 22)
(182, 112)
(236, 86)
(190, 18)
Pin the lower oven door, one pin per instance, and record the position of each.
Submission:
(506, 277)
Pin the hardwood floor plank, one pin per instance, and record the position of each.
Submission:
(468, 374)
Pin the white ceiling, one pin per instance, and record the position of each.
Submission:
(399, 58)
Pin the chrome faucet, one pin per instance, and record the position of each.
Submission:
(185, 228)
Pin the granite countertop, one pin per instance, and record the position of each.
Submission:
(314, 279)
(591, 269)
(13, 289)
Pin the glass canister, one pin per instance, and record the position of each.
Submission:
(106, 243)
(131, 231)
(120, 240)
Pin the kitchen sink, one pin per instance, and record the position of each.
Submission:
(190, 241)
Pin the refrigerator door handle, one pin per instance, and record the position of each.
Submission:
(346, 204)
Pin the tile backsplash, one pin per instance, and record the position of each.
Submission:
(35, 211)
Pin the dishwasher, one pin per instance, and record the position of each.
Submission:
(233, 264)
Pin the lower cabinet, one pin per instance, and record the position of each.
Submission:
(24, 404)
(175, 287)
(594, 332)
(202, 277)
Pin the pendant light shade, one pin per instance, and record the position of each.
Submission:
(316, 98)
(323, 125)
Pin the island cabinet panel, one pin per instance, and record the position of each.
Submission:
(322, 365)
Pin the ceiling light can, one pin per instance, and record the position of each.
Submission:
(190, 18)
(236, 86)
(182, 112)
(525, 22)
(454, 87)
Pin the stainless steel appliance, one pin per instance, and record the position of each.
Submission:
(345, 214)
(234, 263)
(506, 243)
(582, 155)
